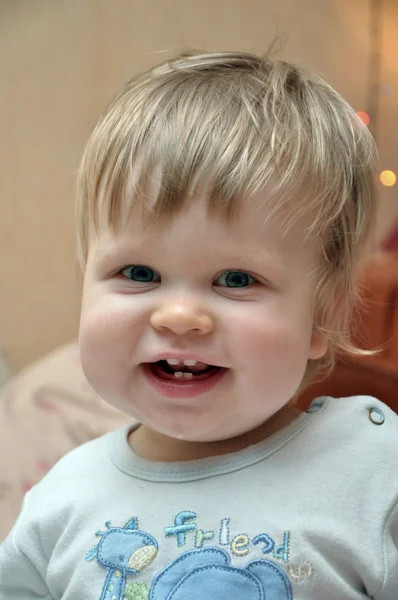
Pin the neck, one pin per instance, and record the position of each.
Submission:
(154, 446)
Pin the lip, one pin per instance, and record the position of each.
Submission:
(189, 388)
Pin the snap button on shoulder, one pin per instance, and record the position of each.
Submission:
(376, 416)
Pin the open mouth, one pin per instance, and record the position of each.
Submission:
(174, 378)
(182, 371)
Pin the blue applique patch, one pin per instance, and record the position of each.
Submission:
(208, 573)
(205, 572)
(123, 551)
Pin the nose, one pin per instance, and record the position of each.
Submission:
(181, 319)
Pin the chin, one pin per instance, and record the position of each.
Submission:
(203, 435)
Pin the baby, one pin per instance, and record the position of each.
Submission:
(225, 203)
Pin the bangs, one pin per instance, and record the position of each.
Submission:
(229, 128)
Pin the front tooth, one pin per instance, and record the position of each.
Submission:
(188, 375)
(173, 361)
(178, 374)
(190, 363)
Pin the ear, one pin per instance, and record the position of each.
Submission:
(318, 344)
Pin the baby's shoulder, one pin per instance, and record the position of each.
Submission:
(78, 472)
(358, 425)
(70, 495)
(351, 447)
(364, 412)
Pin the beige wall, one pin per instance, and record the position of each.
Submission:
(61, 61)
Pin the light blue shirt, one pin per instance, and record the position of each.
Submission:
(311, 513)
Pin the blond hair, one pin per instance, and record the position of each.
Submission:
(237, 121)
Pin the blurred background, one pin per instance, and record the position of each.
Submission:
(62, 60)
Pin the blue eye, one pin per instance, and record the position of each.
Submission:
(140, 274)
(235, 279)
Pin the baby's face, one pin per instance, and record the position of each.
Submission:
(200, 329)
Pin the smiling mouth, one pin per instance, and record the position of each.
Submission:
(182, 379)
(182, 372)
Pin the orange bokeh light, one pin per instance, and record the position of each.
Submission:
(364, 117)
(388, 178)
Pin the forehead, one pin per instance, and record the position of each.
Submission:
(258, 228)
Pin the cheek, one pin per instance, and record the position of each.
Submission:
(108, 332)
(270, 341)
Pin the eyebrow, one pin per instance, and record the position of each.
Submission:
(257, 255)
(261, 260)
(111, 251)
(261, 257)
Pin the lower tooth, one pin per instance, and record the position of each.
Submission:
(182, 375)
